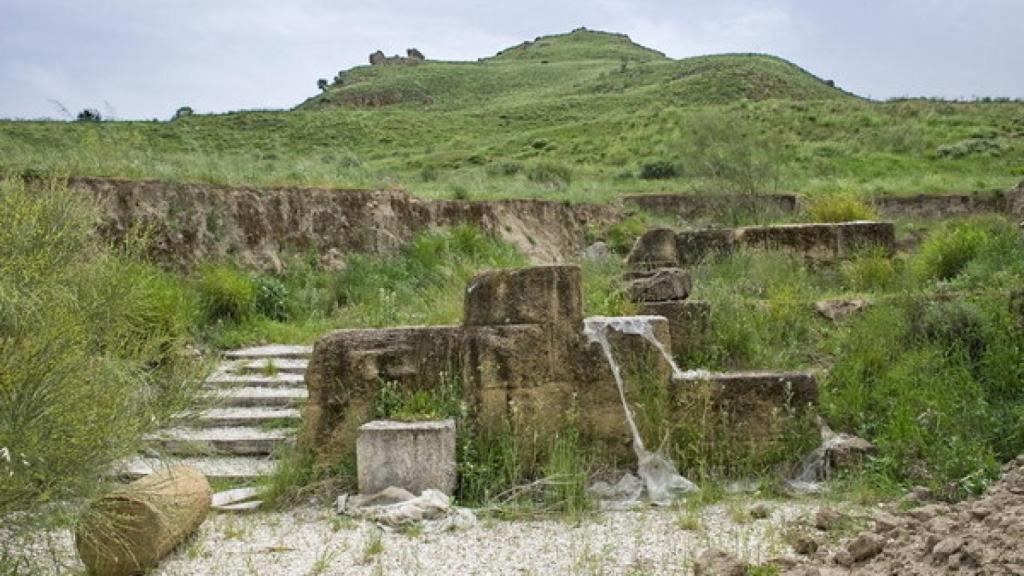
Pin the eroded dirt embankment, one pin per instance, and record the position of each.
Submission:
(189, 223)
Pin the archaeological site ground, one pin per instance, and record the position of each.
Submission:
(572, 308)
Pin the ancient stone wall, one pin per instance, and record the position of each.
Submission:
(815, 242)
(711, 206)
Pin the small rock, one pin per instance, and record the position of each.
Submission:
(849, 451)
(803, 544)
(714, 562)
(661, 285)
(944, 548)
(886, 522)
(836, 310)
(827, 518)
(918, 494)
(865, 546)
(596, 251)
(760, 511)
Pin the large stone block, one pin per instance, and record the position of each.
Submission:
(656, 248)
(689, 323)
(410, 455)
(857, 236)
(660, 285)
(692, 246)
(549, 295)
(780, 389)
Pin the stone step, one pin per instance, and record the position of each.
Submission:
(780, 388)
(240, 441)
(272, 351)
(243, 416)
(221, 380)
(263, 366)
(234, 469)
(261, 397)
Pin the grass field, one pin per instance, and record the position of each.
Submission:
(580, 116)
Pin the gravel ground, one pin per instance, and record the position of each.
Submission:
(646, 542)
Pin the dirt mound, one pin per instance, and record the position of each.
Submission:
(983, 536)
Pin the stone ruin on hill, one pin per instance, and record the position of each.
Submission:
(523, 363)
(412, 56)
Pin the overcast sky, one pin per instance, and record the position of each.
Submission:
(145, 58)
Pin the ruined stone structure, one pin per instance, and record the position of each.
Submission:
(520, 360)
(664, 292)
(710, 206)
(412, 56)
(662, 247)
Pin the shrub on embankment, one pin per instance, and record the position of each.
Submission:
(92, 358)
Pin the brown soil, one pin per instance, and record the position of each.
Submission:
(978, 537)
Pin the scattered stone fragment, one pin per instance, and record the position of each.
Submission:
(714, 562)
(919, 495)
(865, 546)
(886, 522)
(828, 518)
(837, 310)
(802, 542)
(760, 511)
(946, 547)
(661, 285)
(847, 451)
(596, 251)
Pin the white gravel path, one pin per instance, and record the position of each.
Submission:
(313, 541)
(316, 541)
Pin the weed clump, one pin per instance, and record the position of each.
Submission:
(550, 173)
(840, 208)
(92, 355)
(980, 245)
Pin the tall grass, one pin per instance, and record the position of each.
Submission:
(91, 353)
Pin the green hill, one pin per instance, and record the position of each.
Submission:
(583, 116)
(582, 63)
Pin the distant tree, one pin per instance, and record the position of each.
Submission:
(322, 84)
(183, 112)
(89, 115)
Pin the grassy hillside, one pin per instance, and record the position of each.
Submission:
(583, 116)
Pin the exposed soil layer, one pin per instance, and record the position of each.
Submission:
(192, 222)
(983, 536)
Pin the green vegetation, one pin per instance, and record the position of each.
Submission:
(581, 116)
(92, 355)
(840, 208)
(931, 372)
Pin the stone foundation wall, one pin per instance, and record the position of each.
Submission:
(696, 207)
(815, 242)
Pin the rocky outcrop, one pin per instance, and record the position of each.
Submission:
(188, 223)
(412, 56)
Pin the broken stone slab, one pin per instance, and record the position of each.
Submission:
(394, 508)
(414, 456)
(659, 285)
(778, 388)
(656, 248)
(839, 309)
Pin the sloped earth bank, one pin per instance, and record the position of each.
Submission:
(978, 537)
(188, 223)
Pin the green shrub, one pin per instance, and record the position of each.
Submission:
(271, 298)
(226, 293)
(871, 270)
(550, 173)
(932, 383)
(729, 154)
(839, 208)
(603, 289)
(985, 244)
(91, 355)
(658, 170)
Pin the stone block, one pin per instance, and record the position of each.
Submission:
(692, 246)
(655, 249)
(549, 295)
(689, 323)
(855, 237)
(813, 241)
(414, 456)
(660, 285)
(781, 389)
(513, 356)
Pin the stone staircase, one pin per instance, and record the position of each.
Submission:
(257, 394)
